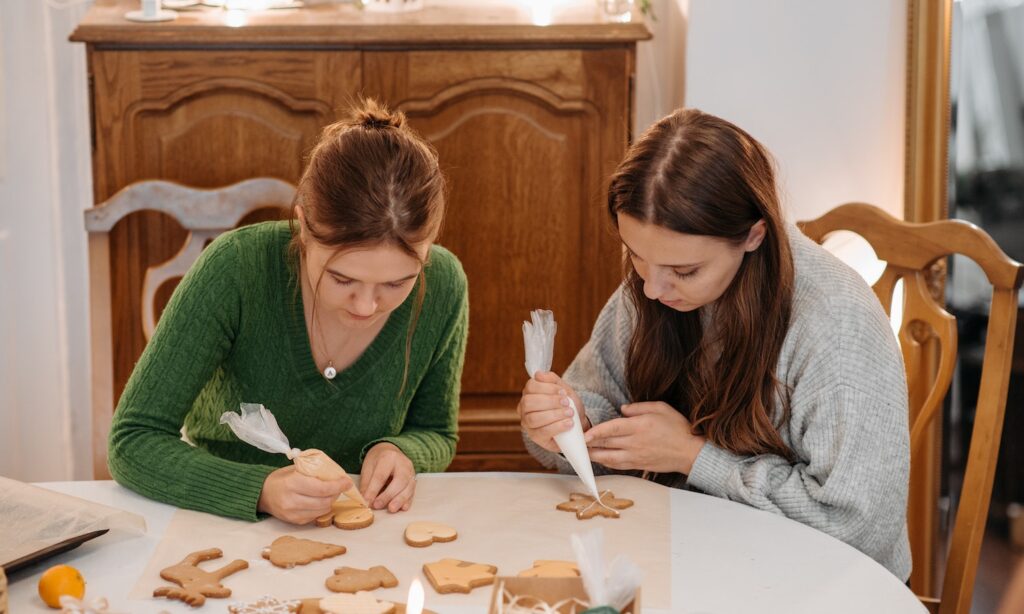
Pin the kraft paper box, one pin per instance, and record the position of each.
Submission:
(550, 590)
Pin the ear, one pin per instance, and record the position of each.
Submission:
(755, 236)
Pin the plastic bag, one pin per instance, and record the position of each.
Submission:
(539, 338)
(608, 585)
(258, 427)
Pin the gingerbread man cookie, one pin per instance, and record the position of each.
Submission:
(347, 514)
(288, 551)
(422, 534)
(551, 569)
(195, 584)
(266, 605)
(455, 576)
(352, 580)
(586, 507)
(359, 603)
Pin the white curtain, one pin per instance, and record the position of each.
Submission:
(45, 183)
(988, 84)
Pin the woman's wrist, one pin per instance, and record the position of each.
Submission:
(690, 452)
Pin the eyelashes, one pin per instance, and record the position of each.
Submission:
(678, 275)
(394, 285)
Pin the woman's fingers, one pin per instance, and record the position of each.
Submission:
(545, 417)
(315, 487)
(375, 476)
(398, 492)
(534, 386)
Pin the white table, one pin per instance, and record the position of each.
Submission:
(726, 558)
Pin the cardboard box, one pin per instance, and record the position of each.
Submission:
(551, 590)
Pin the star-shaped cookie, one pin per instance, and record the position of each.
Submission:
(586, 507)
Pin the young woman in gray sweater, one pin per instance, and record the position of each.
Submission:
(738, 357)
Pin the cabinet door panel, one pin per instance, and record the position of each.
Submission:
(527, 139)
(205, 119)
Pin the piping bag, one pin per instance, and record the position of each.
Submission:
(539, 338)
(258, 427)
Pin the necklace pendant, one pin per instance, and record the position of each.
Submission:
(330, 371)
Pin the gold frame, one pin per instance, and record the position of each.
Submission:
(929, 24)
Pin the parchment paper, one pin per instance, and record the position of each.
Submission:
(503, 520)
(33, 518)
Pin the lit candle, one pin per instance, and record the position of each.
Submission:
(414, 603)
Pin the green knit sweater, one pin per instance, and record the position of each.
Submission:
(235, 332)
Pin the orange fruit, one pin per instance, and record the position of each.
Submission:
(58, 581)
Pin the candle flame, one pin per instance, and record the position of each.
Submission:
(414, 604)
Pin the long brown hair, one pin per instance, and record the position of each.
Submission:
(371, 180)
(696, 174)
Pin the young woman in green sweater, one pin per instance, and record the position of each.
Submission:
(348, 323)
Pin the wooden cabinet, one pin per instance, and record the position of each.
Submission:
(529, 121)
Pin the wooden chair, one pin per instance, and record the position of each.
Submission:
(910, 250)
(204, 214)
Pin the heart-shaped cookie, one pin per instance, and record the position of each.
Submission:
(422, 534)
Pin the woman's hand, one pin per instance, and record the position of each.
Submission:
(544, 409)
(388, 478)
(297, 498)
(650, 437)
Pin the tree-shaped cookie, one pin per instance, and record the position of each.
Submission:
(455, 576)
(551, 569)
(586, 507)
(422, 534)
(196, 584)
(288, 551)
(352, 580)
(347, 514)
(358, 603)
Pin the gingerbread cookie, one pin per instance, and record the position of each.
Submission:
(586, 507)
(195, 584)
(288, 551)
(312, 606)
(358, 603)
(352, 580)
(347, 514)
(455, 576)
(551, 569)
(422, 534)
(266, 605)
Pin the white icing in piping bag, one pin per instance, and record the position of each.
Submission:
(539, 338)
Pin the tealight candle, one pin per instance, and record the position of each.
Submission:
(414, 602)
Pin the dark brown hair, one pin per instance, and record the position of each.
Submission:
(696, 174)
(371, 180)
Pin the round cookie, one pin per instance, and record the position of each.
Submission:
(347, 514)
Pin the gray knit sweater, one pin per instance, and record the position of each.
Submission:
(847, 395)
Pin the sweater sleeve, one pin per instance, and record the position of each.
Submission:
(196, 332)
(597, 374)
(851, 477)
(430, 431)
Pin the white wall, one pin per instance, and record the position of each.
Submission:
(661, 64)
(819, 82)
(44, 185)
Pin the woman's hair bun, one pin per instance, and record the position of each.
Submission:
(373, 115)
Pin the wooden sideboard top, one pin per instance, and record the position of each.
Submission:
(456, 23)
